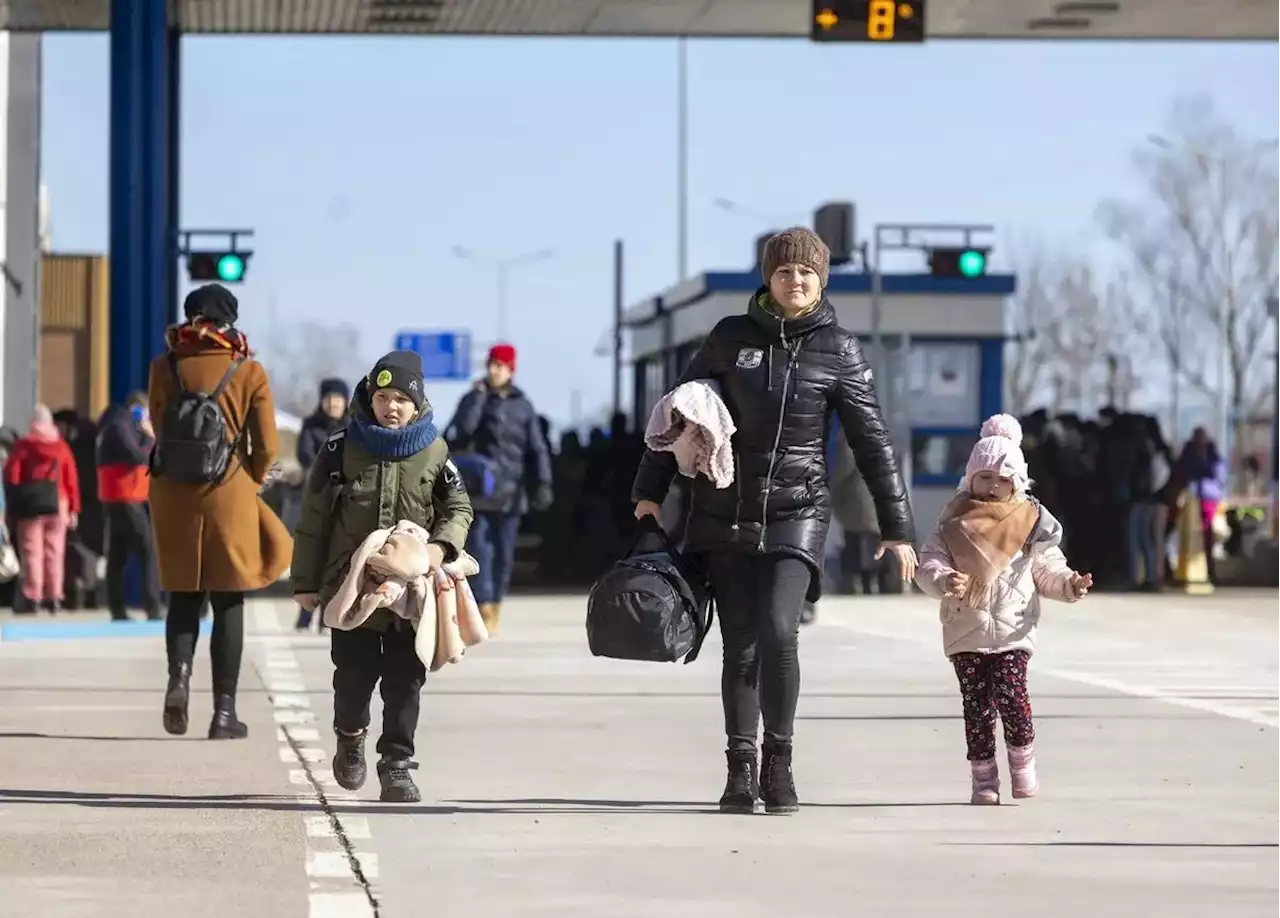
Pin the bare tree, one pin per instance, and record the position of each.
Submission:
(1031, 325)
(1073, 338)
(1202, 243)
(1082, 338)
(296, 363)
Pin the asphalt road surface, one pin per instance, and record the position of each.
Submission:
(557, 784)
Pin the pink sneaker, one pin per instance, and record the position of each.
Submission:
(986, 783)
(1022, 765)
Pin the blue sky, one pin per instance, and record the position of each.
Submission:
(361, 162)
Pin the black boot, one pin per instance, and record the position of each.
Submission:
(225, 724)
(349, 769)
(777, 785)
(397, 783)
(743, 787)
(176, 698)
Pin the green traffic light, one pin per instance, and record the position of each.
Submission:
(231, 267)
(972, 263)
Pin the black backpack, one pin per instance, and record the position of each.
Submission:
(37, 496)
(192, 446)
(652, 605)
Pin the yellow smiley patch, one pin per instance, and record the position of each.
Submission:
(383, 380)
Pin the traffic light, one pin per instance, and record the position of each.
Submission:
(227, 267)
(949, 262)
(834, 224)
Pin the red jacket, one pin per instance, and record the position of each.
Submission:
(33, 459)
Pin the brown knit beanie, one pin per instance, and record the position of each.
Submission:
(797, 246)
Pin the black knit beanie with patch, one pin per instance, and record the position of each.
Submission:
(399, 370)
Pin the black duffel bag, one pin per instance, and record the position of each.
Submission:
(652, 605)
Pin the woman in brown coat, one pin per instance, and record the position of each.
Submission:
(215, 541)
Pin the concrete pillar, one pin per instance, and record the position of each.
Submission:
(19, 226)
(143, 179)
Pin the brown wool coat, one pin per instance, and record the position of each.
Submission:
(221, 538)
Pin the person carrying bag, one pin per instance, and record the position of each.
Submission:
(652, 605)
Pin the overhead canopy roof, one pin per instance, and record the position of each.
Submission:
(1206, 19)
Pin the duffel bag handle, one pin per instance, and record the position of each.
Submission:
(650, 536)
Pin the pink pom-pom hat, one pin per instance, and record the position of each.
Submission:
(999, 451)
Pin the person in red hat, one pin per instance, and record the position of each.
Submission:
(504, 458)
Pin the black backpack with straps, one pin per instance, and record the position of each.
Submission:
(192, 446)
(326, 475)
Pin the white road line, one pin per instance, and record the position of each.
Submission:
(1249, 714)
(339, 905)
(353, 826)
(294, 716)
(305, 753)
(339, 875)
(1156, 694)
(299, 734)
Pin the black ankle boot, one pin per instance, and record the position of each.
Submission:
(743, 786)
(176, 698)
(225, 724)
(397, 783)
(349, 768)
(777, 784)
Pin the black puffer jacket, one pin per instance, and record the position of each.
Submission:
(504, 426)
(781, 381)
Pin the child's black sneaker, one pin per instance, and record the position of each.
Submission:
(349, 769)
(397, 783)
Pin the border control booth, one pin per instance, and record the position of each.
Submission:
(941, 374)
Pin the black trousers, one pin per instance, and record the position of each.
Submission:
(759, 599)
(129, 535)
(361, 657)
(226, 645)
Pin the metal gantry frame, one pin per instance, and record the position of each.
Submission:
(145, 64)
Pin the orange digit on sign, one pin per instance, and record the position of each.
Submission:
(881, 19)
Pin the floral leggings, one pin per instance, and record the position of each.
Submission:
(991, 683)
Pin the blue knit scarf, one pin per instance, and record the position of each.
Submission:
(393, 443)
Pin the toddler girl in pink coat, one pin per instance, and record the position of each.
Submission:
(994, 553)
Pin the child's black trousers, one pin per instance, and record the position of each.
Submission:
(361, 657)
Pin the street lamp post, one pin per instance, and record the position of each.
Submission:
(1274, 311)
(682, 159)
(773, 220)
(502, 268)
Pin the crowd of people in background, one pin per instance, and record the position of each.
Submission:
(1114, 481)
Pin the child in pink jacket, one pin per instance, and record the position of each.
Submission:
(994, 553)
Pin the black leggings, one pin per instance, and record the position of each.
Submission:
(226, 646)
(759, 599)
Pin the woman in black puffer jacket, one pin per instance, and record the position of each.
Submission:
(783, 368)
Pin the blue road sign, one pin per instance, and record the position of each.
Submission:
(445, 354)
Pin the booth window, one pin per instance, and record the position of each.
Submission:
(939, 456)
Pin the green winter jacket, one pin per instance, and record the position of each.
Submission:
(372, 493)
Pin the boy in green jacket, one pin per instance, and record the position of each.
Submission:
(388, 464)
